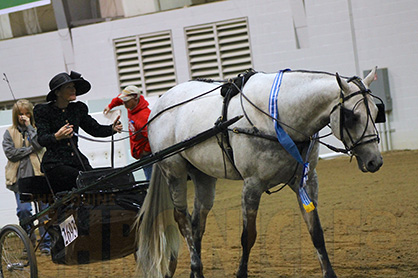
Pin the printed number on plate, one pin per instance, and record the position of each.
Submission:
(69, 230)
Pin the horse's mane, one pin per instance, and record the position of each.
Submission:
(209, 80)
(313, 71)
(310, 71)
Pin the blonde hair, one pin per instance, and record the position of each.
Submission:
(22, 103)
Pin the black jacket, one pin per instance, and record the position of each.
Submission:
(49, 119)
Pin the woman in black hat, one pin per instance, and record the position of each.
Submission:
(57, 121)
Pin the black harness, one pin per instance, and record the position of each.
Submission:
(228, 91)
(347, 115)
(234, 86)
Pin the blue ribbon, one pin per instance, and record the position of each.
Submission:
(287, 142)
(282, 136)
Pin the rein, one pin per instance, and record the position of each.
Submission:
(256, 132)
(153, 118)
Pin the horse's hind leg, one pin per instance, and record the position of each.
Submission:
(314, 227)
(203, 203)
(184, 222)
(172, 266)
(178, 188)
(175, 172)
(250, 201)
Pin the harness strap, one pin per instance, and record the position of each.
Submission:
(263, 135)
(226, 145)
(227, 153)
(257, 133)
(228, 91)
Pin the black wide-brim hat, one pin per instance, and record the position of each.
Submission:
(82, 86)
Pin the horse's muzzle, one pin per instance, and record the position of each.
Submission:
(371, 164)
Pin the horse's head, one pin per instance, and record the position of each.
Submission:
(353, 121)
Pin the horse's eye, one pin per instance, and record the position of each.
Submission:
(350, 119)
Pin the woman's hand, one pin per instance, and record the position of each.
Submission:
(24, 120)
(64, 132)
(106, 110)
(117, 125)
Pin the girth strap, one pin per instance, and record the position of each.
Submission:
(228, 91)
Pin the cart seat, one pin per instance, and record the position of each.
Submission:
(34, 185)
(34, 188)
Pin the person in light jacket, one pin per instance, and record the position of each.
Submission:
(24, 154)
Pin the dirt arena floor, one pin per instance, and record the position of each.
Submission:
(370, 223)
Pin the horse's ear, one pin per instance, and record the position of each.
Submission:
(342, 83)
(370, 77)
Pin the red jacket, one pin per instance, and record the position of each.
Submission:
(137, 118)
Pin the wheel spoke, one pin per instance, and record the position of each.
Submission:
(16, 253)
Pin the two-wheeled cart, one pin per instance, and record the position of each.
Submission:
(93, 222)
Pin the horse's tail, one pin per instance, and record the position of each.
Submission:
(157, 233)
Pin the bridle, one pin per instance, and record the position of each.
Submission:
(347, 113)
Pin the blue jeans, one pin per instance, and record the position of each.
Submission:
(148, 171)
(24, 210)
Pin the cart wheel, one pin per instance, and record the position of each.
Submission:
(16, 254)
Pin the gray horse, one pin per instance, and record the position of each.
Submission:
(306, 102)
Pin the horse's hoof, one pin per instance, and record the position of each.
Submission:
(330, 275)
(242, 275)
(197, 276)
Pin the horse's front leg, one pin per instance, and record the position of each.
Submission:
(315, 228)
(250, 201)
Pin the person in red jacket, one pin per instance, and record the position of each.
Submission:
(138, 113)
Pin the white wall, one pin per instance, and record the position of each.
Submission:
(387, 38)
(345, 36)
(29, 63)
(380, 32)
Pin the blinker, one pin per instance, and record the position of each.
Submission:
(381, 116)
(349, 117)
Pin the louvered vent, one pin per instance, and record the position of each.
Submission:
(219, 50)
(127, 57)
(146, 61)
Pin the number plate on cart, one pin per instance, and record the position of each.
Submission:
(69, 230)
